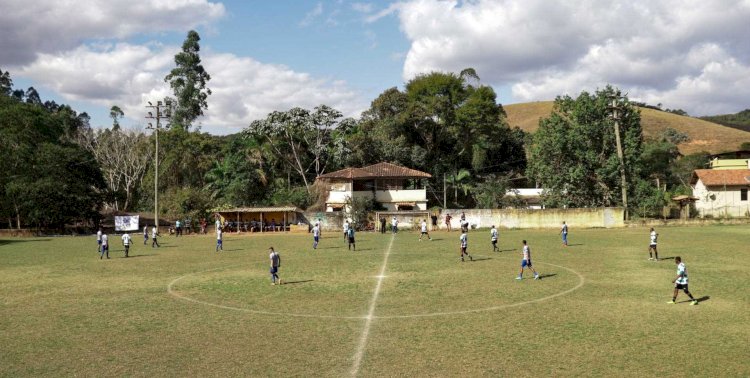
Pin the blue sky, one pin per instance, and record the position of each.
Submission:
(274, 55)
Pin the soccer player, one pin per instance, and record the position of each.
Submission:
(464, 239)
(219, 241)
(394, 225)
(652, 246)
(154, 234)
(350, 237)
(99, 240)
(448, 218)
(681, 282)
(382, 225)
(316, 235)
(493, 238)
(126, 240)
(346, 230)
(177, 228)
(424, 230)
(105, 246)
(526, 262)
(564, 233)
(275, 265)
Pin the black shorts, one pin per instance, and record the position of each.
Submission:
(424, 232)
(494, 241)
(351, 240)
(681, 286)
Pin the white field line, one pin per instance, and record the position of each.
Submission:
(368, 320)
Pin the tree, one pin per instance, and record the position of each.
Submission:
(188, 82)
(573, 154)
(6, 84)
(116, 113)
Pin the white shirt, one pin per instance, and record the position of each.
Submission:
(218, 235)
(346, 226)
(218, 224)
(654, 235)
(154, 231)
(564, 229)
(98, 235)
(275, 259)
(464, 240)
(316, 231)
(126, 239)
(682, 270)
(493, 234)
(526, 253)
(104, 239)
(394, 222)
(424, 226)
(145, 230)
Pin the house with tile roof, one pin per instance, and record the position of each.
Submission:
(395, 187)
(721, 192)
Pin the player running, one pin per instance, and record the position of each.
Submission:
(424, 230)
(126, 241)
(526, 262)
(464, 239)
(219, 240)
(99, 241)
(105, 246)
(316, 235)
(681, 282)
(275, 265)
(493, 238)
(350, 238)
(564, 233)
(652, 246)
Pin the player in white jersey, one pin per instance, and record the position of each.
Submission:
(526, 262)
(316, 236)
(105, 246)
(394, 225)
(652, 246)
(564, 233)
(154, 234)
(145, 234)
(275, 265)
(99, 241)
(424, 230)
(126, 241)
(219, 240)
(493, 239)
(464, 239)
(346, 230)
(681, 282)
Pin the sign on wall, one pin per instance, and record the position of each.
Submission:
(126, 223)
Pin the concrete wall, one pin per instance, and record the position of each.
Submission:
(328, 221)
(720, 201)
(543, 218)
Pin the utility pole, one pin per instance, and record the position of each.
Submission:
(623, 182)
(158, 116)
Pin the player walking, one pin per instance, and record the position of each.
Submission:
(99, 241)
(178, 228)
(219, 240)
(424, 230)
(316, 235)
(681, 282)
(346, 230)
(145, 234)
(154, 234)
(275, 265)
(126, 240)
(105, 246)
(493, 238)
(350, 238)
(652, 246)
(464, 239)
(394, 225)
(526, 262)
(564, 233)
(448, 218)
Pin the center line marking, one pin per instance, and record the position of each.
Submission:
(368, 320)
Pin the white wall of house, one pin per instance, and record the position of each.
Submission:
(720, 201)
(389, 198)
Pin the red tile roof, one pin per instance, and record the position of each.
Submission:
(379, 170)
(717, 177)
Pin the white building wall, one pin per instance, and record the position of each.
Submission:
(720, 201)
(389, 198)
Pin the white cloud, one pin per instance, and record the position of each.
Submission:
(362, 7)
(50, 26)
(684, 54)
(129, 75)
(312, 15)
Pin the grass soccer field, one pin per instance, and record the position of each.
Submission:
(396, 307)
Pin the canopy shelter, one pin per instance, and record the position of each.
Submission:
(259, 219)
(684, 202)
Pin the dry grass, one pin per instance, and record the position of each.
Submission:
(64, 312)
(704, 135)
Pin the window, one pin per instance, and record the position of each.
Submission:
(743, 194)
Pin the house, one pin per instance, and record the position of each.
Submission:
(721, 192)
(395, 187)
(730, 160)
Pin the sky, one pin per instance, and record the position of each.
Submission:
(274, 55)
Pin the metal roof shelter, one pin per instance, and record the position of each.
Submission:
(244, 215)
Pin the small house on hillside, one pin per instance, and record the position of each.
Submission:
(395, 187)
(721, 192)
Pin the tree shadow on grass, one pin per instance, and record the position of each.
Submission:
(12, 241)
(295, 282)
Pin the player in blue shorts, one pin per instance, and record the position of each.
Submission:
(526, 262)
(275, 265)
(316, 236)
(219, 240)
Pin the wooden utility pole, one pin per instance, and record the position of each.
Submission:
(623, 181)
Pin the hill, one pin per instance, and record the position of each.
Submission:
(739, 121)
(704, 135)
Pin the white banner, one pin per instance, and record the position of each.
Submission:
(126, 223)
